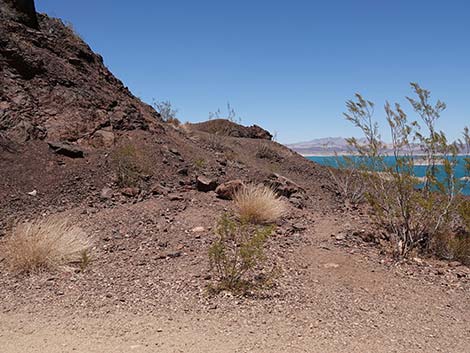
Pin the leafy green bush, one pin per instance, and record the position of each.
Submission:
(237, 253)
(413, 211)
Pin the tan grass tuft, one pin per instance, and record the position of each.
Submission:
(258, 204)
(49, 244)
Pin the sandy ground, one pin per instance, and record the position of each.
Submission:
(350, 304)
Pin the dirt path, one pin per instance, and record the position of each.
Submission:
(349, 305)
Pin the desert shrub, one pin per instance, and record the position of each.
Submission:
(258, 204)
(230, 116)
(412, 211)
(49, 244)
(130, 165)
(231, 155)
(265, 151)
(460, 248)
(166, 111)
(200, 163)
(237, 253)
(464, 212)
(215, 141)
(451, 246)
(348, 180)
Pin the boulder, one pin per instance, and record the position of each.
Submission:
(106, 193)
(66, 149)
(21, 10)
(103, 137)
(227, 190)
(283, 186)
(205, 184)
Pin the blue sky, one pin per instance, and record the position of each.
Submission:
(288, 66)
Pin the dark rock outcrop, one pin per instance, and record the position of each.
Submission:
(223, 127)
(23, 11)
(52, 85)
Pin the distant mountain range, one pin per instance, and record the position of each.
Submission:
(322, 147)
(329, 146)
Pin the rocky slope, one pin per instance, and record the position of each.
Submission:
(63, 118)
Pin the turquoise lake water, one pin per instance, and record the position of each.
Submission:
(419, 170)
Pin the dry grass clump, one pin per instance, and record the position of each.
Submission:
(258, 204)
(48, 244)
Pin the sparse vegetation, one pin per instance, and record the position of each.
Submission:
(129, 164)
(215, 141)
(411, 211)
(265, 151)
(230, 116)
(48, 244)
(238, 253)
(258, 204)
(200, 163)
(166, 111)
(348, 180)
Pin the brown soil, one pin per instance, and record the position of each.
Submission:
(337, 290)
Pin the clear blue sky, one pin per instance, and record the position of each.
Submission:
(288, 66)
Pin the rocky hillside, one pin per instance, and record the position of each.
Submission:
(63, 115)
(53, 87)
(76, 144)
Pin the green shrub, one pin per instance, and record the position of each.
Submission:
(129, 164)
(412, 211)
(237, 253)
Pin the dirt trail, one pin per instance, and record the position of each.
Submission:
(350, 304)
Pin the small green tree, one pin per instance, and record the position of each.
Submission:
(237, 253)
(414, 211)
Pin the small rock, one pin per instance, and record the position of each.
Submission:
(340, 237)
(183, 171)
(205, 184)
(330, 265)
(299, 226)
(174, 151)
(227, 190)
(130, 192)
(197, 229)
(32, 193)
(454, 264)
(158, 189)
(175, 197)
(106, 193)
